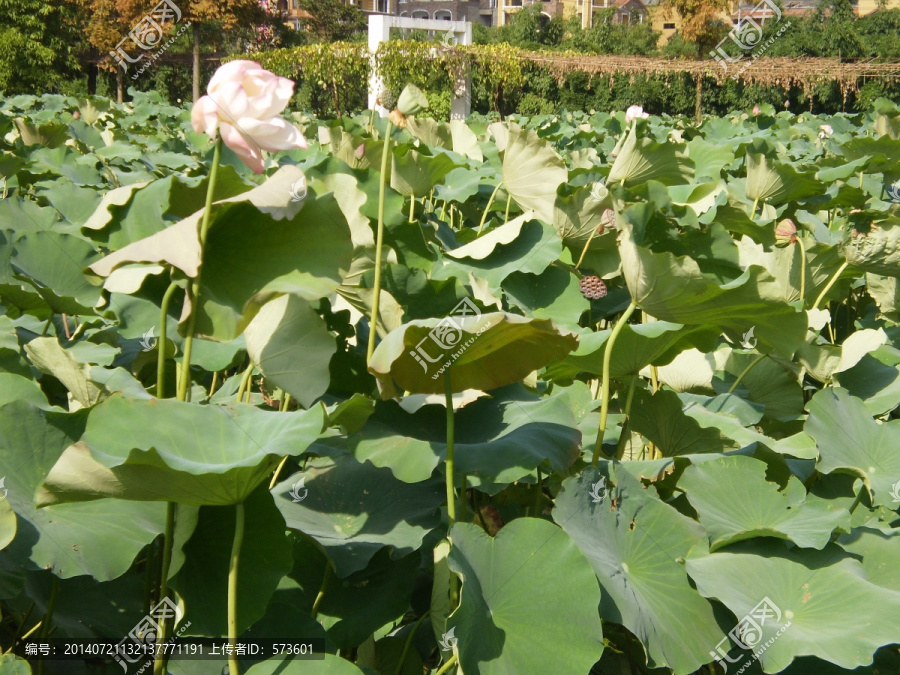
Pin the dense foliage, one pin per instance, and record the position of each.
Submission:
(670, 411)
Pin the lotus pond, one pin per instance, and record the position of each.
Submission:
(628, 403)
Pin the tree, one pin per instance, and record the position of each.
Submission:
(701, 21)
(39, 44)
(332, 20)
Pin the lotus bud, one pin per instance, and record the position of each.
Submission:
(386, 99)
(608, 219)
(785, 233)
(76, 115)
(592, 287)
(756, 110)
(412, 101)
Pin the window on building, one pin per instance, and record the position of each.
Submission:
(443, 15)
(296, 4)
(668, 26)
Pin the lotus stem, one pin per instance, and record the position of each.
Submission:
(802, 272)
(159, 666)
(506, 213)
(488, 207)
(447, 666)
(604, 385)
(329, 572)
(379, 241)
(449, 468)
(412, 209)
(463, 497)
(244, 381)
(278, 471)
(831, 282)
(744, 372)
(753, 208)
(48, 617)
(538, 498)
(409, 640)
(195, 286)
(451, 490)
(585, 249)
(161, 341)
(858, 499)
(233, 668)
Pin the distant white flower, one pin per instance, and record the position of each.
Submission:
(634, 112)
(826, 130)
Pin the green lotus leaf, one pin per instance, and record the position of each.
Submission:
(52, 262)
(876, 251)
(552, 294)
(709, 158)
(499, 440)
(673, 288)
(521, 245)
(265, 558)
(529, 564)
(415, 173)
(301, 248)
(7, 523)
(850, 441)
(659, 418)
(354, 509)
(292, 347)
(762, 510)
(641, 158)
(772, 182)
(358, 605)
(877, 551)
(168, 450)
(634, 543)
(805, 602)
(578, 215)
(875, 380)
(637, 346)
(100, 539)
(532, 171)
(483, 351)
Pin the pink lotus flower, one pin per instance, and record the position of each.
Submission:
(756, 110)
(245, 101)
(826, 130)
(634, 112)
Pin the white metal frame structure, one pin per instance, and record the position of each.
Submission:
(461, 33)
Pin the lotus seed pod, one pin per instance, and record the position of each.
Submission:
(785, 233)
(387, 99)
(592, 287)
